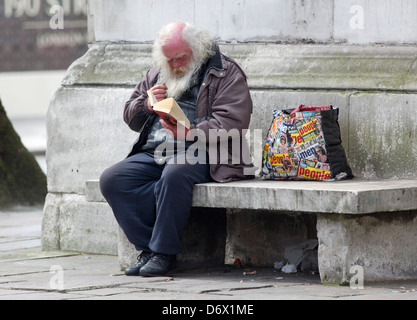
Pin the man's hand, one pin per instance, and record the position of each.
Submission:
(160, 92)
(179, 132)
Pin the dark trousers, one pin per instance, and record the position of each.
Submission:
(152, 202)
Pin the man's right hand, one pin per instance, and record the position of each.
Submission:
(160, 92)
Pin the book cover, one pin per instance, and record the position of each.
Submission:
(169, 110)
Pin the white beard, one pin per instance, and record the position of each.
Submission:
(177, 84)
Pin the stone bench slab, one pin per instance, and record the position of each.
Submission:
(345, 197)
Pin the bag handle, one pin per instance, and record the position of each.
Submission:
(303, 107)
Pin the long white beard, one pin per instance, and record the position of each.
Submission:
(177, 84)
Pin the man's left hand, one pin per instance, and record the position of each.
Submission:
(179, 132)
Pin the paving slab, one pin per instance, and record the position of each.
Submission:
(93, 277)
(33, 274)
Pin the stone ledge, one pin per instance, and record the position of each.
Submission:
(346, 197)
(271, 66)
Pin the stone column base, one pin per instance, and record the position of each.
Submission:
(376, 247)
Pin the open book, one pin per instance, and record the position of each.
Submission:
(169, 110)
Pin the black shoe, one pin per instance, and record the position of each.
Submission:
(143, 258)
(158, 265)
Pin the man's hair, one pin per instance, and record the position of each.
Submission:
(199, 41)
(202, 48)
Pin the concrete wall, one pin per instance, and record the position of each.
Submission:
(324, 21)
(311, 52)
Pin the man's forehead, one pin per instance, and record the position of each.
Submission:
(174, 42)
(175, 49)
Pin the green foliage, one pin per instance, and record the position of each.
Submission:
(22, 181)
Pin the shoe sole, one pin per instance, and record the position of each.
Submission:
(134, 274)
(137, 273)
(148, 274)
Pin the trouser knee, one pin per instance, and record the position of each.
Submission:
(107, 182)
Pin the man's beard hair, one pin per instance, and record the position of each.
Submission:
(178, 83)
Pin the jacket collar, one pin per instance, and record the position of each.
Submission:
(216, 61)
(216, 64)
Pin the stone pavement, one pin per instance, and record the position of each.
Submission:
(27, 273)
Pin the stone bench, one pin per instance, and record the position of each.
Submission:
(359, 223)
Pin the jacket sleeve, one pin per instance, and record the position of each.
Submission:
(136, 111)
(232, 105)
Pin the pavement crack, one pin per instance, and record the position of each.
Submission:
(214, 291)
(70, 290)
(252, 288)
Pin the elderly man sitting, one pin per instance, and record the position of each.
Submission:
(150, 192)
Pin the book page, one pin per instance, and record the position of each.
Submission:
(152, 99)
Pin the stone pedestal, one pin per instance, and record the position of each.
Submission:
(380, 246)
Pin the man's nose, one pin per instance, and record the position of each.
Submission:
(176, 63)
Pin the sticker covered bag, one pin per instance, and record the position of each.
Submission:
(296, 148)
